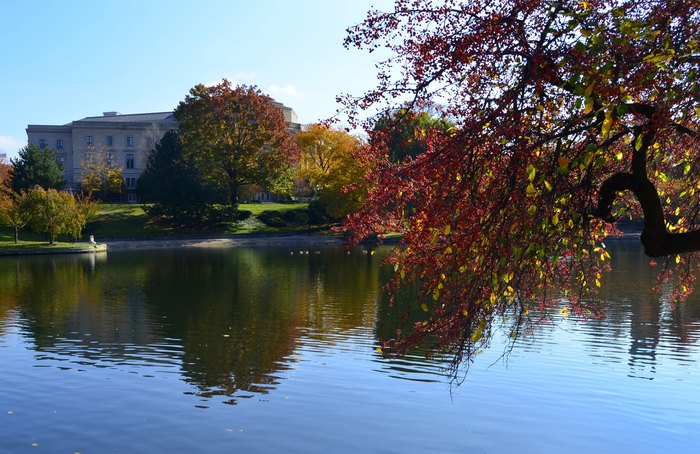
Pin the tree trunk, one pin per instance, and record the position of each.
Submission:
(16, 235)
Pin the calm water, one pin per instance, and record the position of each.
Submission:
(260, 350)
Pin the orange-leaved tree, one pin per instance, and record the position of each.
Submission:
(237, 136)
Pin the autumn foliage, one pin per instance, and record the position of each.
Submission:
(236, 136)
(328, 162)
(567, 115)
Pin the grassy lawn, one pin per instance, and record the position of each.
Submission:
(116, 220)
(131, 221)
(257, 208)
(24, 244)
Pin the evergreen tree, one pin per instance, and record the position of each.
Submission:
(36, 166)
(173, 182)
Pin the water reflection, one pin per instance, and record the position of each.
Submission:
(232, 322)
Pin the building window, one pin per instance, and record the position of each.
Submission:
(129, 141)
(130, 182)
(42, 143)
(110, 158)
(88, 140)
(110, 141)
(130, 160)
(131, 197)
(62, 160)
(59, 144)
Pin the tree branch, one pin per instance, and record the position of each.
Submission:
(657, 241)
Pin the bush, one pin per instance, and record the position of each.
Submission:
(272, 218)
(317, 214)
(297, 217)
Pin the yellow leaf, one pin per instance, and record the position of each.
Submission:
(448, 251)
(607, 123)
(477, 334)
(564, 311)
(379, 350)
(563, 162)
(530, 190)
(447, 229)
(555, 219)
(678, 259)
(589, 106)
(532, 210)
(548, 185)
(465, 313)
(424, 307)
(619, 156)
(403, 274)
(531, 172)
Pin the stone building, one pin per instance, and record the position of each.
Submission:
(124, 140)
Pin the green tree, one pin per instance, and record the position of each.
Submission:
(13, 210)
(101, 175)
(405, 133)
(236, 136)
(173, 182)
(85, 212)
(52, 212)
(328, 161)
(36, 166)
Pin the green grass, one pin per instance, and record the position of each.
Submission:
(257, 208)
(122, 220)
(114, 221)
(23, 244)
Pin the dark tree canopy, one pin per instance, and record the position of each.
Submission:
(237, 136)
(172, 180)
(36, 166)
(568, 115)
(405, 133)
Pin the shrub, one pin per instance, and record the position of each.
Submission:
(272, 218)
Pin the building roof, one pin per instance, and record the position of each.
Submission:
(115, 117)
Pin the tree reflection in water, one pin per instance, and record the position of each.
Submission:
(229, 321)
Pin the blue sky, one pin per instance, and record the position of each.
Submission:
(65, 60)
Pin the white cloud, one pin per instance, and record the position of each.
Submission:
(10, 145)
(289, 91)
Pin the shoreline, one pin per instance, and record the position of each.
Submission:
(78, 248)
(222, 242)
(301, 240)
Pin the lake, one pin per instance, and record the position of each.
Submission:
(267, 350)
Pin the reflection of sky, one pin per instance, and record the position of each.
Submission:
(626, 383)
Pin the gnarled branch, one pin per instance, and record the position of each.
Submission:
(657, 241)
